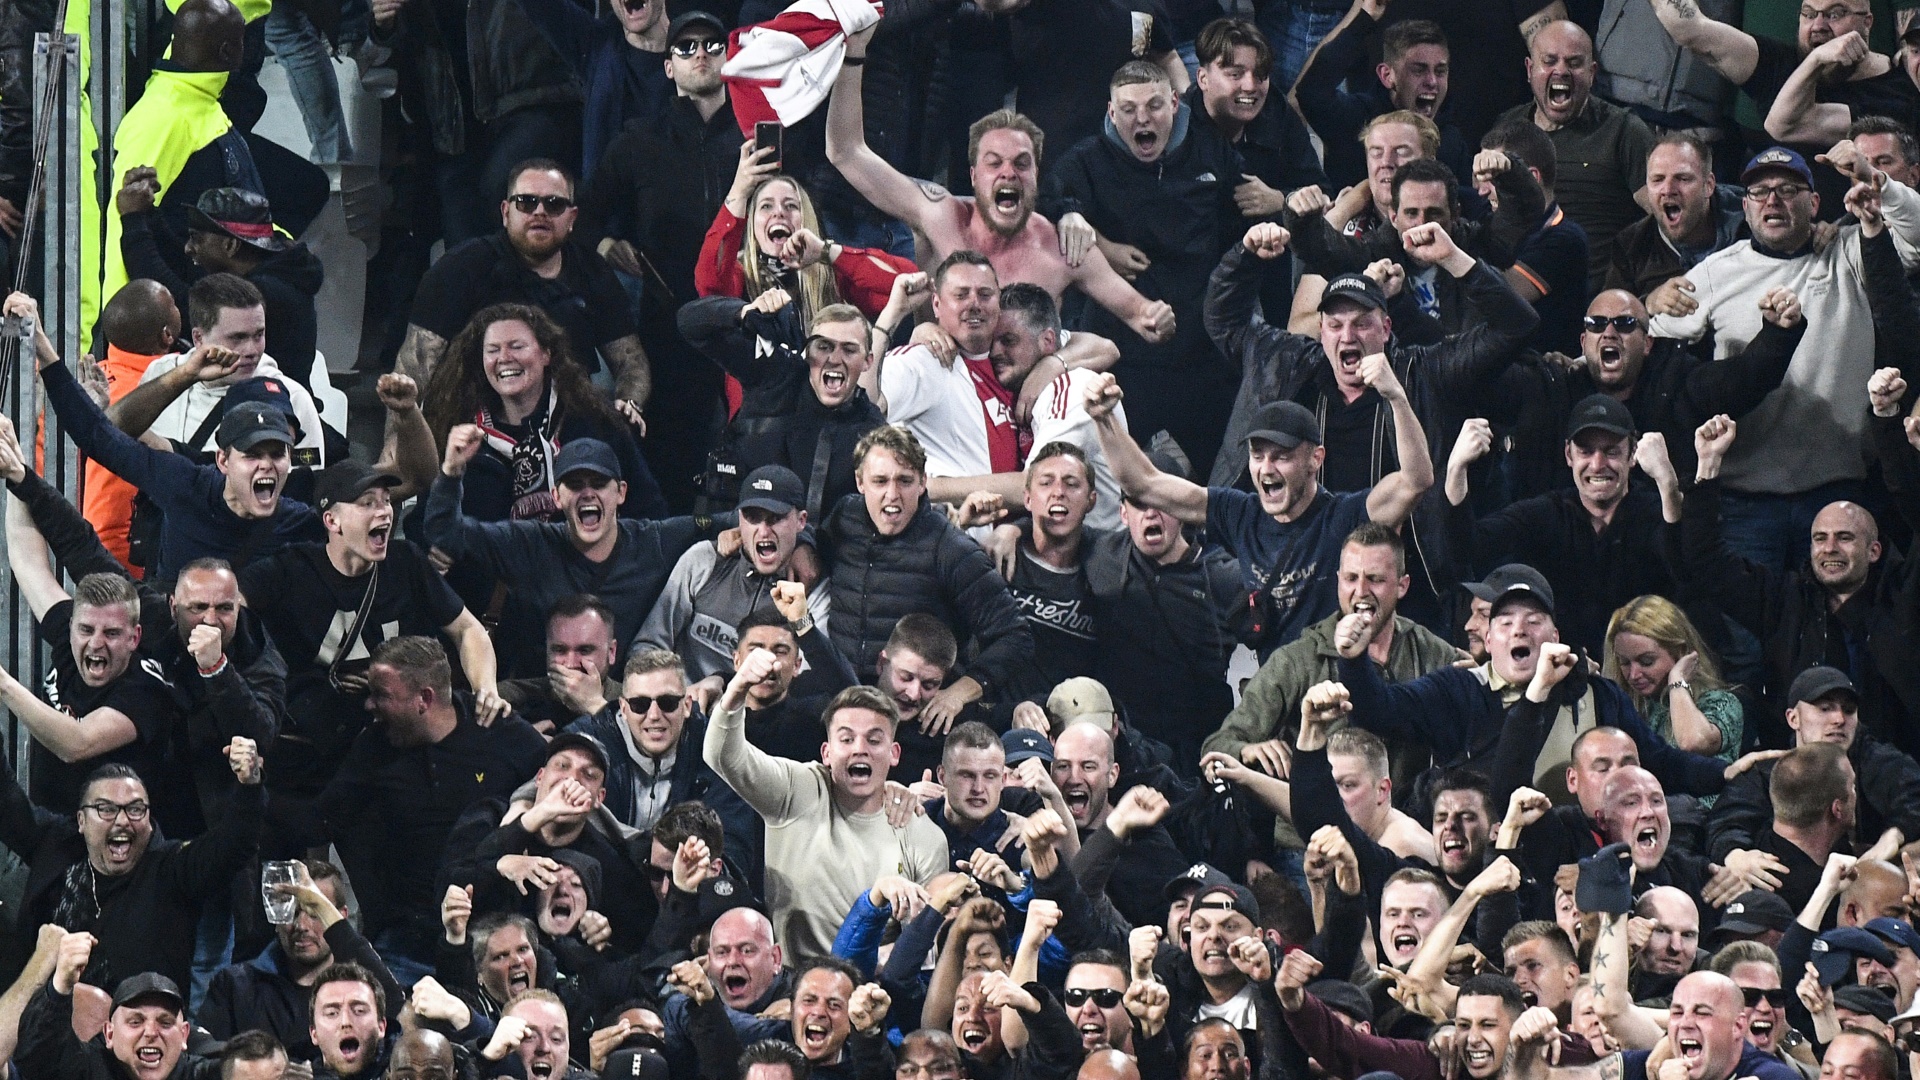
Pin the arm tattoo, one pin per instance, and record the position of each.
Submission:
(934, 192)
(1599, 960)
(1613, 1067)
(1683, 8)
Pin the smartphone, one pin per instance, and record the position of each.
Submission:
(767, 134)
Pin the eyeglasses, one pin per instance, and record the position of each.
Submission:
(640, 703)
(1777, 998)
(711, 46)
(1597, 324)
(106, 811)
(554, 205)
(1787, 192)
(1106, 997)
(908, 1069)
(1832, 14)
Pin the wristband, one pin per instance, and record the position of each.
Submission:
(208, 673)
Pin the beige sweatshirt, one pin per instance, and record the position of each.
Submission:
(819, 857)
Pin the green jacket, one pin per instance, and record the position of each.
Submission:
(1270, 705)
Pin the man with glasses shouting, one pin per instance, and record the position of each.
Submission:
(1802, 447)
(532, 260)
(104, 872)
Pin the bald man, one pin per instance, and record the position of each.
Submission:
(1853, 607)
(1087, 775)
(422, 1054)
(1109, 1064)
(139, 324)
(745, 967)
(1602, 148)
(1706, 1012)
(1667, 388)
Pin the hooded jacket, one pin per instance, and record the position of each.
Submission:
(1178, 209)
(261, 994)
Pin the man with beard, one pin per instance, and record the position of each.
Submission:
(1825, 711)
(234, 509)
(104, 872)
(350, 1024)
(225, 675)
(423, 1054)
(1598, 545)
(409, 775)
(327, 607)
(1837, 612)
(533, 259)
(1292, 525)
(1666, 388)
(1004, 159)
(146, 1031)
(1163, 201)
(1466, 713)
(1689, 219)
(827, 840)
(1804, 442)
(707, 595)
(1085, 771)
(1372, 577)
(623, 561)
(1047, 373)
(272, 991)
(1602, 147)
(1415, 66)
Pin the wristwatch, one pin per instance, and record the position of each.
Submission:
(1681, 684)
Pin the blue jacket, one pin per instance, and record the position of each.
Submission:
(1461, 719)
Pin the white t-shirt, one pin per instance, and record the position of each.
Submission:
(1060, 415)
(942, 408)
(181, 418)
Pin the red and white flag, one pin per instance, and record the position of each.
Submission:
(784, 68)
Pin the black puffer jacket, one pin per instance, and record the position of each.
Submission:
(930, 567)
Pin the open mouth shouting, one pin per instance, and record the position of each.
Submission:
(1761, 1030)
(1520, 653)
(377, 538)
(1559, 93)
(1346, 362)
(1403, 943)
(1146, 143)
(974, 1035)
(1093, 1034)
(1647, 839)
(834, 381)
(350, 1049)
(264, 494)
(95, 666)
(119, 846)
(733, 983)
(1078, 797)
(520, 978)
(860, 774)
(1690, 1051)
(1426, 104)
(589, 513)
(1611, 358)
(541, 1068)
(1672, 211)
(1153, 532)
(150, 1057)
(778, 232)
(1479, 1055)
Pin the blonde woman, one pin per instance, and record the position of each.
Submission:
(1654, 652)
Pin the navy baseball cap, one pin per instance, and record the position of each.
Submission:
(1023, 743)
(1751, 914)
(1833, 952)
(1777, 157)
(687, 20)
(581, 741)
(587, 455)
(251, 423)
(1896, 932)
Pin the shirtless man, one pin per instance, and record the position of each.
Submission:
(1022, 245)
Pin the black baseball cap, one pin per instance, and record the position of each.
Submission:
(1867, 1001)
(1751, 914)
(1509, 580)
(251, 423)
(687, 20)
(1344, 998)
(148, 984)
(773, 488)
(244, 215)
(1285, 424)
(1243, 900)
(1197, 877)
(1818, 682)
(345, 481)
(1600, 412)
(579, 740)
(1359, 288)
(586, 866)
(587, 455)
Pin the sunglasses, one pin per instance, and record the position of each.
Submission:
(712, 46)
(1597, 324)
(554, 205)
(640, 703)
(1777, 998)
(1106, 997)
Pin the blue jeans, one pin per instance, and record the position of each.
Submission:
(309, 66)
(890, 236)
(1294, 30)
(212, 943)
(408, 958)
